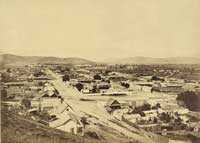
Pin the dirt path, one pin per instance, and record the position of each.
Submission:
(72, 97)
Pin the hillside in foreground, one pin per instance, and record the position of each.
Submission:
(18, 129)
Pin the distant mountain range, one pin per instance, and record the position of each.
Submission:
(149, 60)
(8, 59)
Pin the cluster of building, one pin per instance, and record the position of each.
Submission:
(32, 89)
(36, 97)
(109, 80)
(152, 118)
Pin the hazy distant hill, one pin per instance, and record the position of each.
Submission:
(13, 59)
(8, 59)
(149, 60)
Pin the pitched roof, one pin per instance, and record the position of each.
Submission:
(64, 118)
(110, 101)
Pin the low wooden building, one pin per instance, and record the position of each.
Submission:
(68, 122)
(112, 105)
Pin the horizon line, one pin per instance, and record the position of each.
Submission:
(111, 58)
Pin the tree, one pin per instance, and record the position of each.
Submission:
(39, 73)
(107, 72)
(126, 85)
(65, 78)
(40, 83)
(190, 99)
(5, 77)
(3, 94)
(142, 114)
(155, 78)
(79, 86)
(26, 103)
(97, 77)
(158, 105)
(155, 120)
(178, 120)
(146, 106)
(94, 89)
(165, 117)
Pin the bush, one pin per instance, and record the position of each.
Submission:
(190, 99)
(65, 78)
(126, 85)
(97, 77)
(79, 86)
(26, 103)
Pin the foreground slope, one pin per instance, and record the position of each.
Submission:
(19, 129)
(15, 128)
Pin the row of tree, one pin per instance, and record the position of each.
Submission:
(67, 78)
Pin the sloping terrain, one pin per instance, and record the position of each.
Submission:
(16, 129)
(150, 60)
(8, 59)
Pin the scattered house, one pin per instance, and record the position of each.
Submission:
(169, 88)
(61, 108)
(14, 91)
(103, 86)
(85, 91)
(197, 127)
(32, 111)
(49, 87)
(192, 87)
(175, 80)
(144, 83)
(49, 104)
(151, 127)
(46, 102)
(132, 117)
(185, 119)
(41, 78)
(137, 103)
(35, 88)
(68, 122)
(22, 78)
(180, 111)
(164, 132)
(73, 82)
(86, 81)
(119, 113)
(150, 113)
(15, 84)
(50, 94)
(114, 94)
(112, 105)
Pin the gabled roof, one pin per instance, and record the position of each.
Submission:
(74, 118)
(64, 118)
(111, 101)
(49, 94)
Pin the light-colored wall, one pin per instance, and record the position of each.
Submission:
(66, 127)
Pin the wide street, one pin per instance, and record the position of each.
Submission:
(72, 97)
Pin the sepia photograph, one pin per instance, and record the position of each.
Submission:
(100, 71)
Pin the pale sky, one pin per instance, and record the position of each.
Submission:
(100, 29)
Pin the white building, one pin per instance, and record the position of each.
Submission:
(68, 122)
